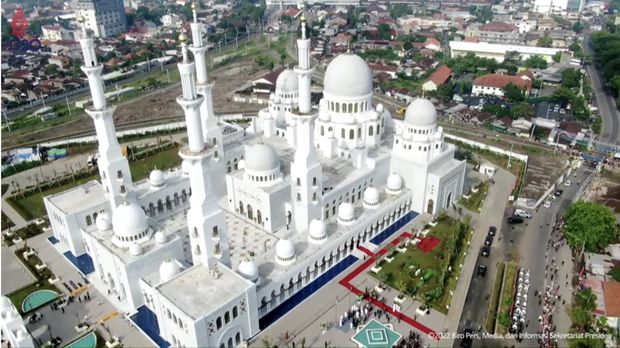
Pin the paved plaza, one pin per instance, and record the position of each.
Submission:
(14, 274)
(98, 312)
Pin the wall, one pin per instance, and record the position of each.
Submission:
(514, 155)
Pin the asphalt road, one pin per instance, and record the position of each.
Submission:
(610, 131)
(527, 243)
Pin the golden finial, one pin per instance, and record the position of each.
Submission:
(81, 19)
(194, 6)
(303, 17)
(182, 38)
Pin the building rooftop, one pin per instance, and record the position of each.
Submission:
(79, 198)
(485, 47)
(441, 75)
(198, 291)
(500, 81)
(611, 290)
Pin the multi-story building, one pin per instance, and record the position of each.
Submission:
(551, 6)
(105, 18)
(496, 32)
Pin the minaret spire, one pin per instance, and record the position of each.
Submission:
(113, 166)
(205, 218)
(303, 69)
(210, 130)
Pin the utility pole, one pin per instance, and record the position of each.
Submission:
(6, 119)
(68, 106)
(510, 155)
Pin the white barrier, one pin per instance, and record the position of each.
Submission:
(494, 149)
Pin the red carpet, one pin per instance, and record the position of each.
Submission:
(429, 243)
(346, 282)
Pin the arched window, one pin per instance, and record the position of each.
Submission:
(95, 217)
(218, 323)
(322, 130)
(226, 318)
(238, 338)
(359, 132)
(240, 207)
(351, 134)
(355, 108)
(378, 129)
(337, 107)
(259, 216)
(342, 133)
(235, 312)
(370, 130)
(89, 220)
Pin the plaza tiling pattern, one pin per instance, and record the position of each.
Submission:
(376, 335)
(346, 282)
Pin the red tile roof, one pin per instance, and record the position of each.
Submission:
(291, 12)
(611, 290)
(381, 67)
(432, 41)
(471, 39)
(499, 27)
(441, 75)
(500, 81)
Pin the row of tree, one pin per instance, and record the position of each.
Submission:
(606, 47)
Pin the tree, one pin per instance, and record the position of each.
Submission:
(571, 78)
(615, 273)
(536, 62)
(513, 93)
(545, 41)
(586, 299)
(51, 69)
(590, 226)
(407, 45)
(564, 94)
(522, 110)
(557, 57)
(581, 317)
(384, 32)
(575, 48)
(512, 57)
(578, 27)
(445, 92)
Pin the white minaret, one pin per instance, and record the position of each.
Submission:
(306, 171)
(210, 129)
(303, 69)
(113, 166)
(205, 220)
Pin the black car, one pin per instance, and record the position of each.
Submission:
(488, 240)
(558, 192)
(467, 340)
(482, 271)
(492, 231)
(486, 251)
(515, 220)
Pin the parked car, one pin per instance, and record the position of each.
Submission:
(482, 271)
(522, 213)
(567, 183)
(488, 240)
(492, 231)
(547, 204)
(485, 251)
(558, 192)
(36, 316)
(515, 220)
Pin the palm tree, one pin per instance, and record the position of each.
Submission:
(586, 299)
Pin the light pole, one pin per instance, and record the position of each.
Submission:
(6, 119)
(68, 106)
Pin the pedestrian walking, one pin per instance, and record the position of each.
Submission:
(62, 309)
(79, 299)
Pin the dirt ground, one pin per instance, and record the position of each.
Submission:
(542, 171)
(161, 104)
(606, 189)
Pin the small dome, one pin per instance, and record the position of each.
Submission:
(394, 182)
(348, 75)
(103, 221)
(287, 82)
(129, 220)
(421, 112)
(168, 270)
(248, 270)
(135, 250)
(160, 238)
(285, 250)
(346, 212)
(261, 157)
(157, 178)
(380, 107)
(317, 230)
(20, 334)
(371, 196)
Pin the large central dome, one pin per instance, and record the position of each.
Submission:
(261, 157)
(348, 75)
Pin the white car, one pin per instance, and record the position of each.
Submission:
(567, 183)
(547, 204)
(523, 214)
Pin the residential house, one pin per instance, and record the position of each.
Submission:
(55, 33)
(494, 84)
(267, 83)
(432, 44)
(67, 48)
(437, 78)
(390, 70)
(60, 61)
(495, 32)
(171, 20)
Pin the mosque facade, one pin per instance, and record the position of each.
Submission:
(256, 219)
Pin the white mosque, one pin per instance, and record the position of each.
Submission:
(257, 219)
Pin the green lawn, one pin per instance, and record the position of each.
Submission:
(32, 207)
(510, 277)
(475, 201)
(5, 187)
(428, 284)
(494, 302)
